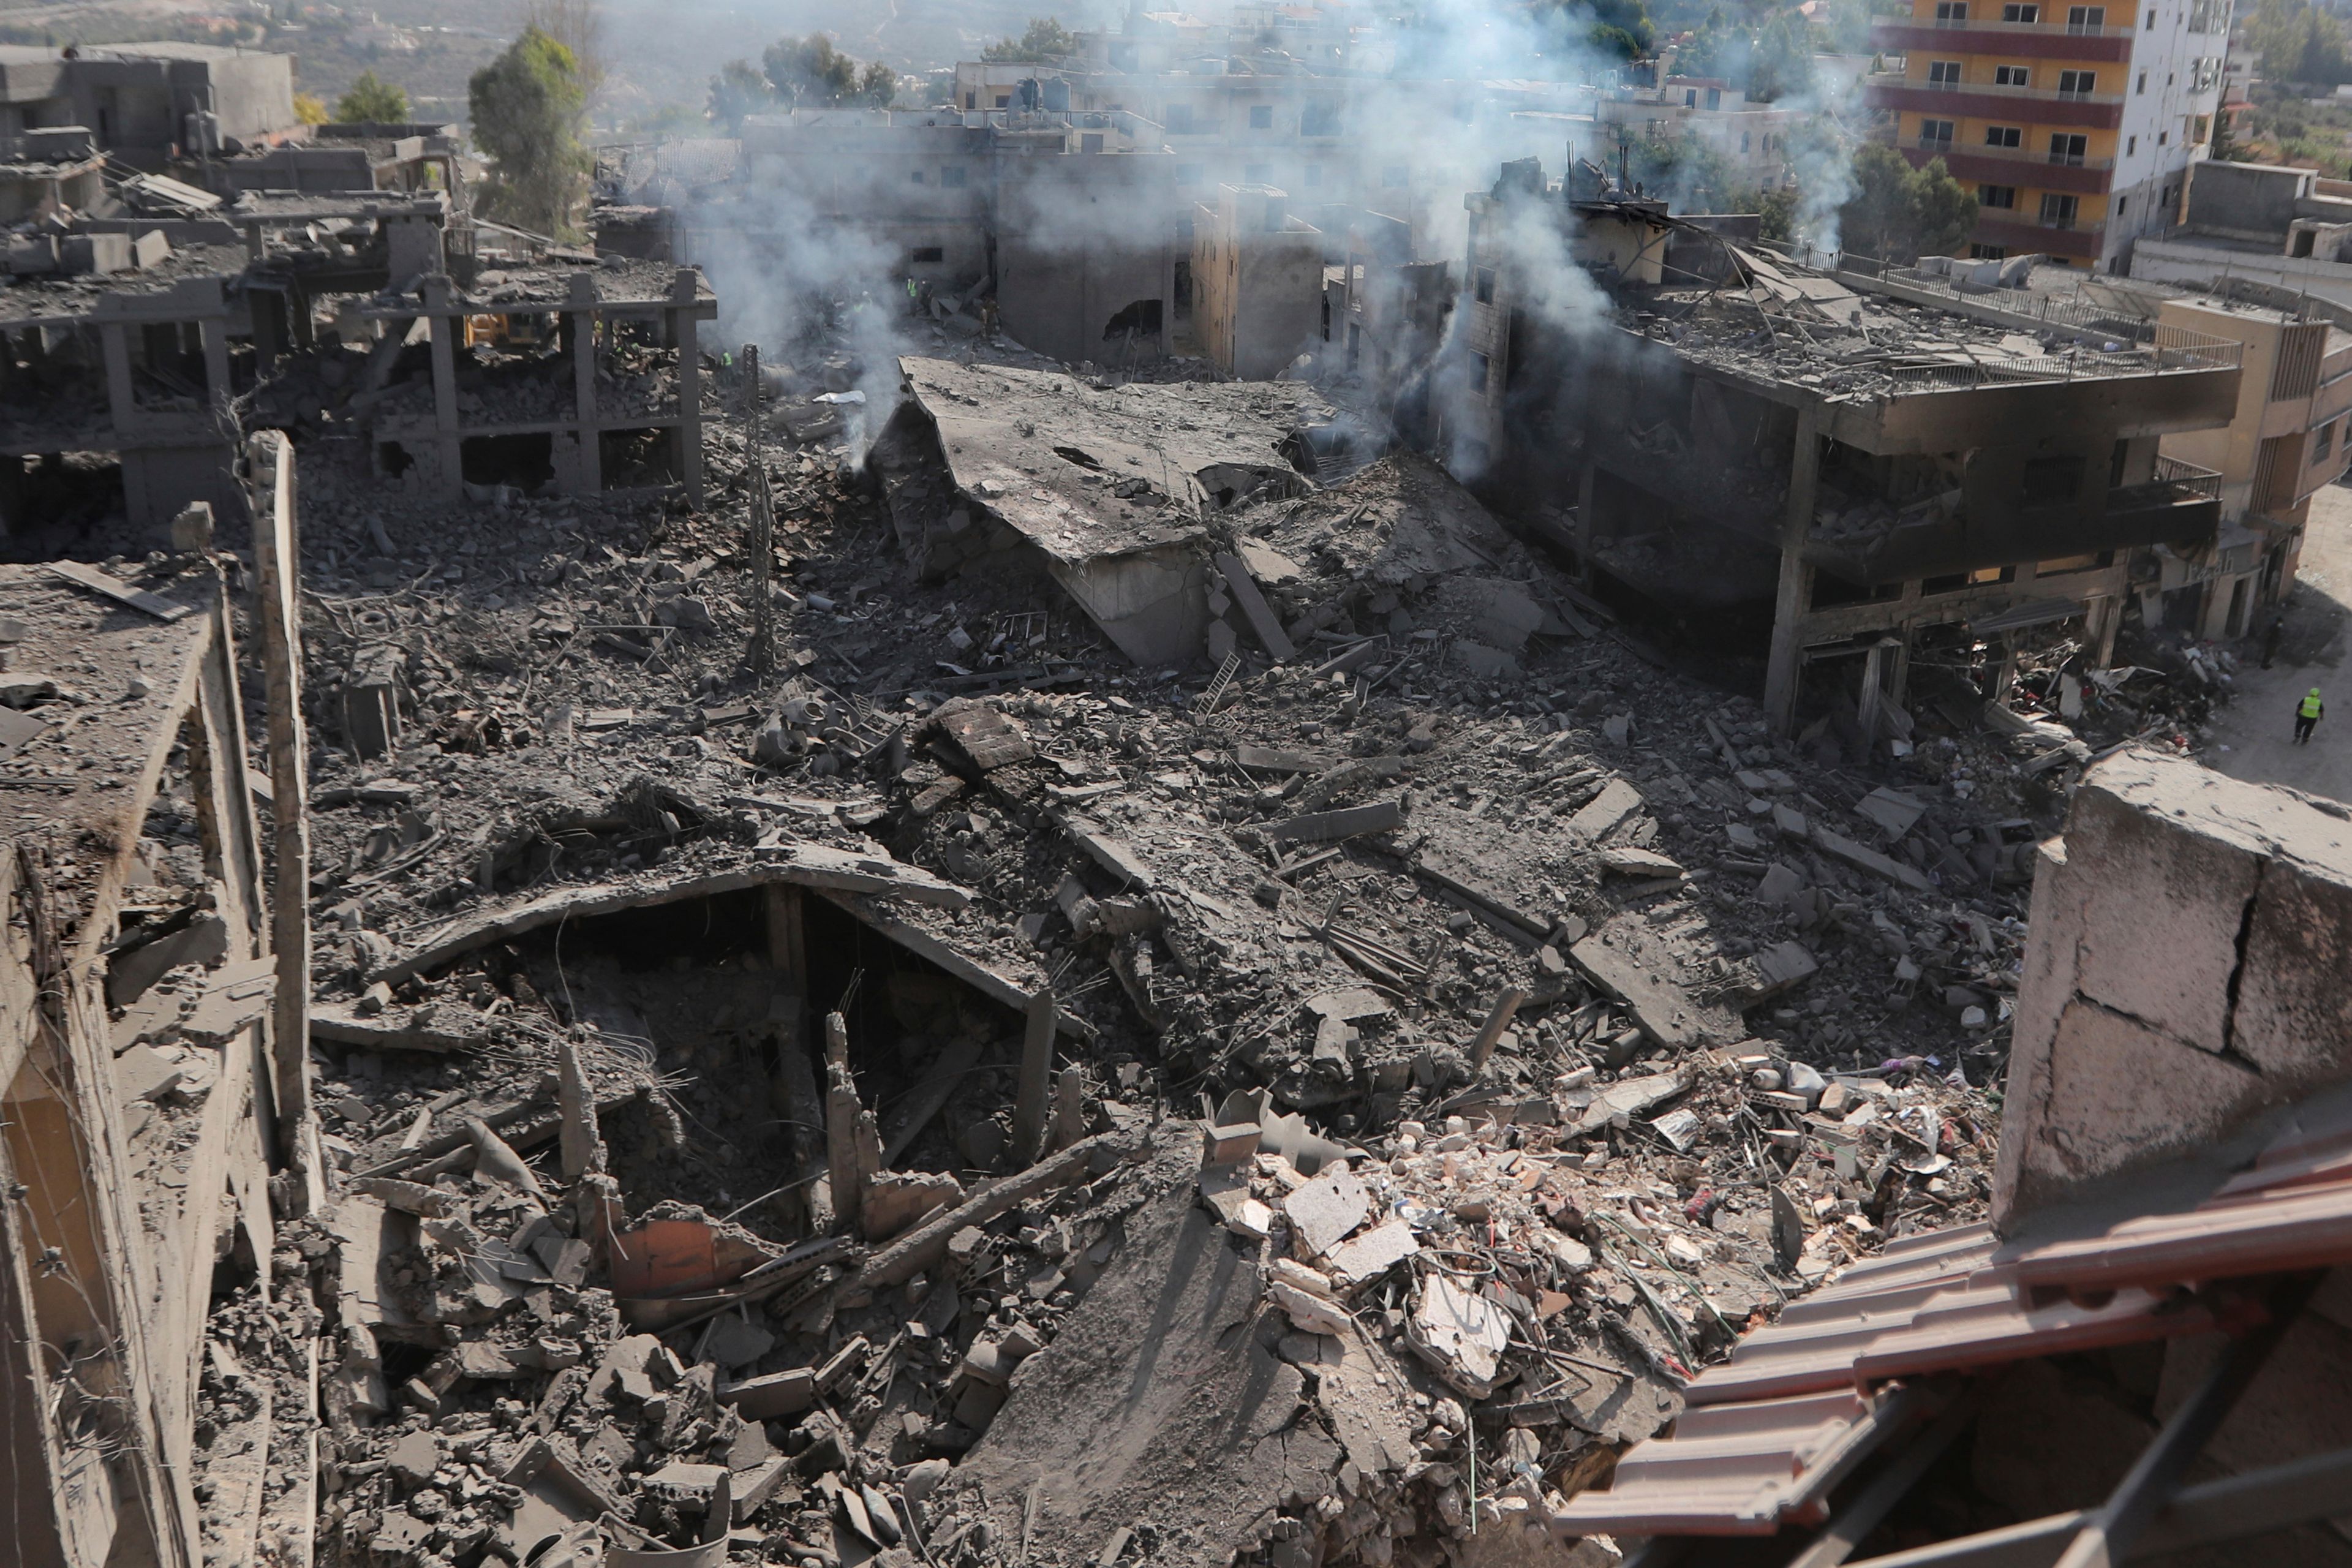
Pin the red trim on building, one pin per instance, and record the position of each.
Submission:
(1946, 103)
(1976, 168)
(1899, 37)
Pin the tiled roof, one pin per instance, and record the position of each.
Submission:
(1820, 1388)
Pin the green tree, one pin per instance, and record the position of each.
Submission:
(2225, 136)
(1693, 173)
(1943, 210)
(737, 90)
(1618, 29)
(797, 73)
(1715, 49)
(1782, 64)
(1876, 217)
(371, 101)
(528, 106)
(309, 109)
(1899, 214)
(2298, 42)
(1046, 40)
(1776, 213)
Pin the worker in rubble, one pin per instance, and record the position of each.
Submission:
(2307, 716)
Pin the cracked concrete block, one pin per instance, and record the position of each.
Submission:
(2183, 974)
(1780, 885)
(1327, 1208)
(2159, 935)
(2293, 1015)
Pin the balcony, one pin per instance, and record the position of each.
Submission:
(1984, 101)
(2018, 166)
(2022, 234)
(2043, 41)
(2181, 506)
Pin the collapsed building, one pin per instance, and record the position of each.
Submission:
(1872, 472)
(1083, 970)
(2135, 1356)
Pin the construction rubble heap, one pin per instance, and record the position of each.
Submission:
(1058, 972)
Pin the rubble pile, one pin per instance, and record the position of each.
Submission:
(769, 1109)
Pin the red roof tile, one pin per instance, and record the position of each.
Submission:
(1766, 1432)
(1740, 1469)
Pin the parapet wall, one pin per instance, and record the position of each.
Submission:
(2187, 968)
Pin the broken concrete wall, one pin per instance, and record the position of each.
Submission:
(1086, 255)
(2190, 934)
(131, 1147)
(1258, 273)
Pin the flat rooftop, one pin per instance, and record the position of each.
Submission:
(1800, 326)
(37, 301)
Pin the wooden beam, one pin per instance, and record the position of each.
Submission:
(279, 610)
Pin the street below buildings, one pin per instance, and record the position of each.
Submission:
(2253, 735)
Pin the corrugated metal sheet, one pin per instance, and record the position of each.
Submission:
(1757, 1443)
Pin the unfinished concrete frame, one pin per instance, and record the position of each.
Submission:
(174, 449)
(107, 1256)
(438, 450)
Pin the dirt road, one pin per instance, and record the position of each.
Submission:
(2254, 735)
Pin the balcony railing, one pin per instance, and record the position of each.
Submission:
(1893, 82)
(2204, 482)
(2025, 157)
(2022, 31)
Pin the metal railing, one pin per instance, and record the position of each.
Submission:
(2027, 156)
(1889, 80)
(2206, 482)
(2020, 30)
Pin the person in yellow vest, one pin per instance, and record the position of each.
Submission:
(2307, 716)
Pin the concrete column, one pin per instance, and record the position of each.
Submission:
(1035, 1083)
(114, 340)
(448, 445)
(1873, 671)
(689, 462)
(582, 316)
(1586, 489)
(212, 332)
(1784, 670)
(1898, 686)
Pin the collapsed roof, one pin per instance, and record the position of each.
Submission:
(1106, 486)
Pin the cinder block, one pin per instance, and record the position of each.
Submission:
(1229, 1145)
(2159, 936)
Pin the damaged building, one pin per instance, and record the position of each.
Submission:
(1007, 962)
(1873, 472)
(995, 469)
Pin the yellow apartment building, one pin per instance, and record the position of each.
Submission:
(2075, 125)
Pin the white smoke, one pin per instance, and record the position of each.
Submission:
(807, 288)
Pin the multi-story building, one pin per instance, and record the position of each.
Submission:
(1753, 137)
(1257, 282)
(1942, 500)
(2288, 440)
(2075, 125)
